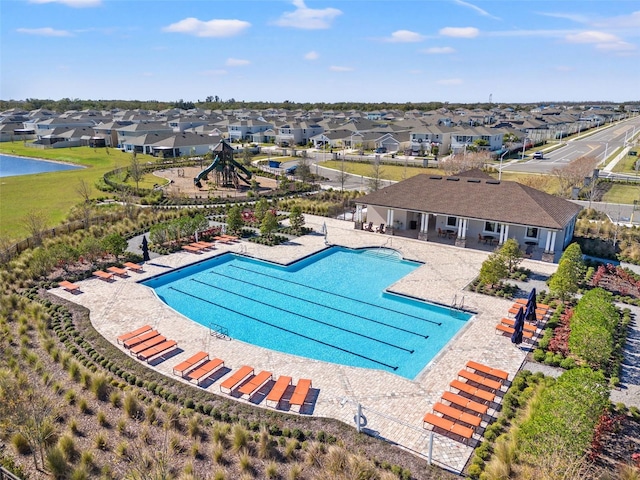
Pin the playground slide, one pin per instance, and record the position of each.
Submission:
(241, 167)
(203, 174)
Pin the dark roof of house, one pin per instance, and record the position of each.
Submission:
(478, 198)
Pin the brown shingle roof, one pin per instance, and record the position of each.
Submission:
(477, 198)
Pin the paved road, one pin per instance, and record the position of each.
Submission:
(599, 145)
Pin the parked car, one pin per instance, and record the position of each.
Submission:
(381, 150)
(538, 155)
(291, 170)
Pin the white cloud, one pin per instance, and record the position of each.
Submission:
(308, 18)
(311, 55)
(591, 37)
(574, 17)
(45, 32)
(623, 21)
(479, 10)
(404, 36)
(459, 32)
(212, 28)
(236, 62)
(603, 41)
(439, 50)
(72, 3)
(450, 81)
(336, 68)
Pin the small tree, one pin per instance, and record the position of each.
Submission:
(36, 223)
(84, 190)
(375, 177)
(269, 224)
(493, 269)
(296, 219)
(135, 169)
(261, 209)
(511, 253)
(304, 170)
(234, 219)
(114, 244)
(246, 156)
(570, 272)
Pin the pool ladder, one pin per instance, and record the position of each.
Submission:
(454, 303)
(218, 331)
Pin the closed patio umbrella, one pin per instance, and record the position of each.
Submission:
(518, 327)
(145, 250)
(530, 314)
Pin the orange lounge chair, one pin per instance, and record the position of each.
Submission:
(134, 266)
(539, 313)
(492, 372)
(141, 347)
(189, 363)
(204, 245)
(222, 239)
(118, 271)
(465, 403)
(230, 238)
(192, 249)
(453, 427)
(457, 415)
(504, 329)
(205, 370)
(480, 380)
(278, 391)
(133, 333)
(137, 339)
(256, 383)
(234, 380)
(68, 286)
(510, 322)
(524, 301)
(300, 393)
(103, 275)
(478, 393)
(161, 348)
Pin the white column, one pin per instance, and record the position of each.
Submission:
(546, 246)
(506, 233)
(501, 236)
(390, 217)
(424, 222)
(359, 213)
(552, 247)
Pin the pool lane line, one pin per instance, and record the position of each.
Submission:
(279, 292)
(373, 339)
(336, 294)
(264, 322)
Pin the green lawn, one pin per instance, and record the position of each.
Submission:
(622, 194)
(52, 193)
(387, 172)
(627, 164)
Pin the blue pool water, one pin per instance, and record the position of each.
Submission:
(11, 166)
(331, 306)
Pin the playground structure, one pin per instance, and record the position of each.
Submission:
(228, 173)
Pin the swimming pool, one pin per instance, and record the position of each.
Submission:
(331, 306)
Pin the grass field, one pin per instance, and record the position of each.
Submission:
(387, 172)
(627, 164)
(51, 193)
(622, 194)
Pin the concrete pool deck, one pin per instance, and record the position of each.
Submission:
(393, 406)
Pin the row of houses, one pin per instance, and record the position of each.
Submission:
(176, 132)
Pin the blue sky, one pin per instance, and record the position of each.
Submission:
(321, 51)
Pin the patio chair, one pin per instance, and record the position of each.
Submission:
(133, 266)
(236, 379)
(121, 272)
(380, 229)
(69, 287)
(278, 391)
(189, 363)
(256, 383)
(134, 333)
(368, 228)
(300, 393)
(465, 432)
(457, 415)
(205, 370)
(102, 275)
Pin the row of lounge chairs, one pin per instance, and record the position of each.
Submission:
(506, 325)
(107, 276)
(146, 343)
(244, 381)
(477, 386)
(120, 272)
(199, 247)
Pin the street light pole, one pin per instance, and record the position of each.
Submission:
(500, 171)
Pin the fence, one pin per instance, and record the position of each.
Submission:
(7, 475)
